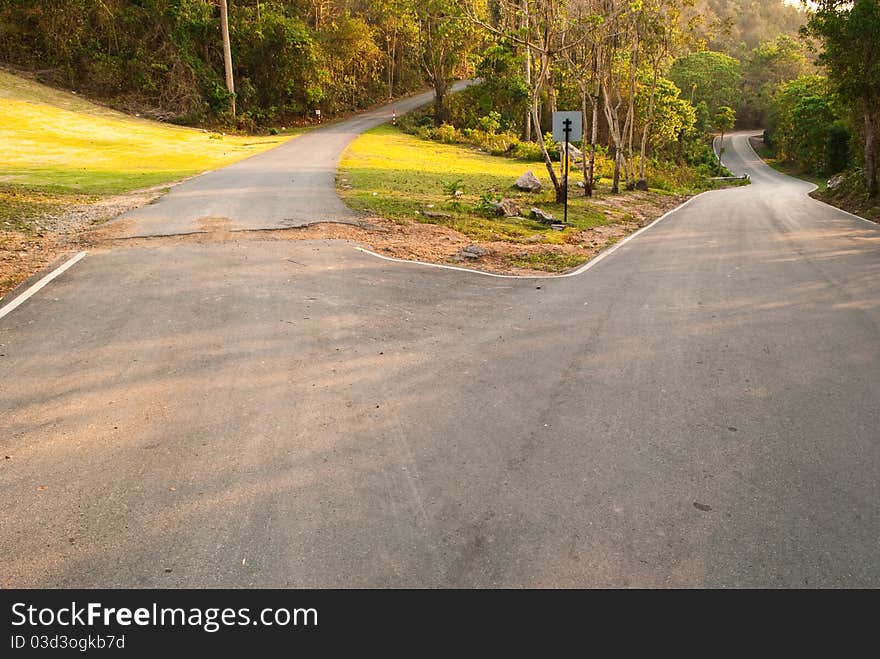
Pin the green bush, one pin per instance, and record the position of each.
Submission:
(447, 134)
(490, 123)
(527, 151)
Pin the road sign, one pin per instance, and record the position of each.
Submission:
(576, 128)
(567, 128)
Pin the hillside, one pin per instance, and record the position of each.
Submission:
(63, 157)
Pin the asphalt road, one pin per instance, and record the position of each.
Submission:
(289, 186)
(701, 408)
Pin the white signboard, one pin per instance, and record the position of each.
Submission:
(576, 129)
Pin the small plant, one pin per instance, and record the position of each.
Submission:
(453, 189)
(486, 205)
(446, 134)
(491, 123)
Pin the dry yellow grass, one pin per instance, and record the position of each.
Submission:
(54, 141)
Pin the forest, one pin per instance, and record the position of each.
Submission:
(653, 78)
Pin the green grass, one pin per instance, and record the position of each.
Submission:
(21, 209)
(547, 261)
(57, 142)
(398, 176)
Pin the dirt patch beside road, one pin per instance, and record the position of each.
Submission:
(31, 243)
(84, 226)
(418, 241)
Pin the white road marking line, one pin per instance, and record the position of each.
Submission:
(815, 187)
(586, 266)
(21, 299)
(858, 217)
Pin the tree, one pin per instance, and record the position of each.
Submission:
(662, 33)
(540, 31)
(725, 119)
(764, 70)
(707, 77)
(227, 52)
(802, 123)
(445, 40)
(848, 30)
(672, 115)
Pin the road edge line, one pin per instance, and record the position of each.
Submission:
(37, 286)
(580, 270)
(845, 212)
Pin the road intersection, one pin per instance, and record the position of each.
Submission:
(698, 409)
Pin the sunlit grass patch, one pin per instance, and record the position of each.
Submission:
(57, 142)
(402, 178)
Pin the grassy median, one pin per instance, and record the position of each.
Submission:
(402, 177)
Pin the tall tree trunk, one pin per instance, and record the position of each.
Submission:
(612, 117)
(615, 180)
(587, 188)
(527, 73)
(548, 161)
(643, 151)
(871, 129)
(590, 173)
(392, 56)
(439, 94)
(227, 51)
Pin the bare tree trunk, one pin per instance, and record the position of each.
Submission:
(527, 128)
(594, 137)
(227, 51)
(628, 128)
(587, 191)
(612, 116)
(871, 149)
(392, 56)
(615, 180)
(590, 173)
(643, 152)
(539, 136)
(439, 93)
(548, 161)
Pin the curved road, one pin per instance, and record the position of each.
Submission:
(701, 408)
(288, 186)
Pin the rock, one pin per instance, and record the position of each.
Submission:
(506, 208)
(835, 181)
(437, 215)
(528, 182)
(581, 184)
(574, 154)
(642, 184)
(535, 238)
(473, 252)
(541, 216)
(558, 227)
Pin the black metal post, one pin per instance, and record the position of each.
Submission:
(565, 168)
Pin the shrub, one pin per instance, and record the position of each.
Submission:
(446, 134)
(490, 123)
(527, 151)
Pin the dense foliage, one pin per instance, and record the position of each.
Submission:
(849, 31)
(164, 57)
(650, 76)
